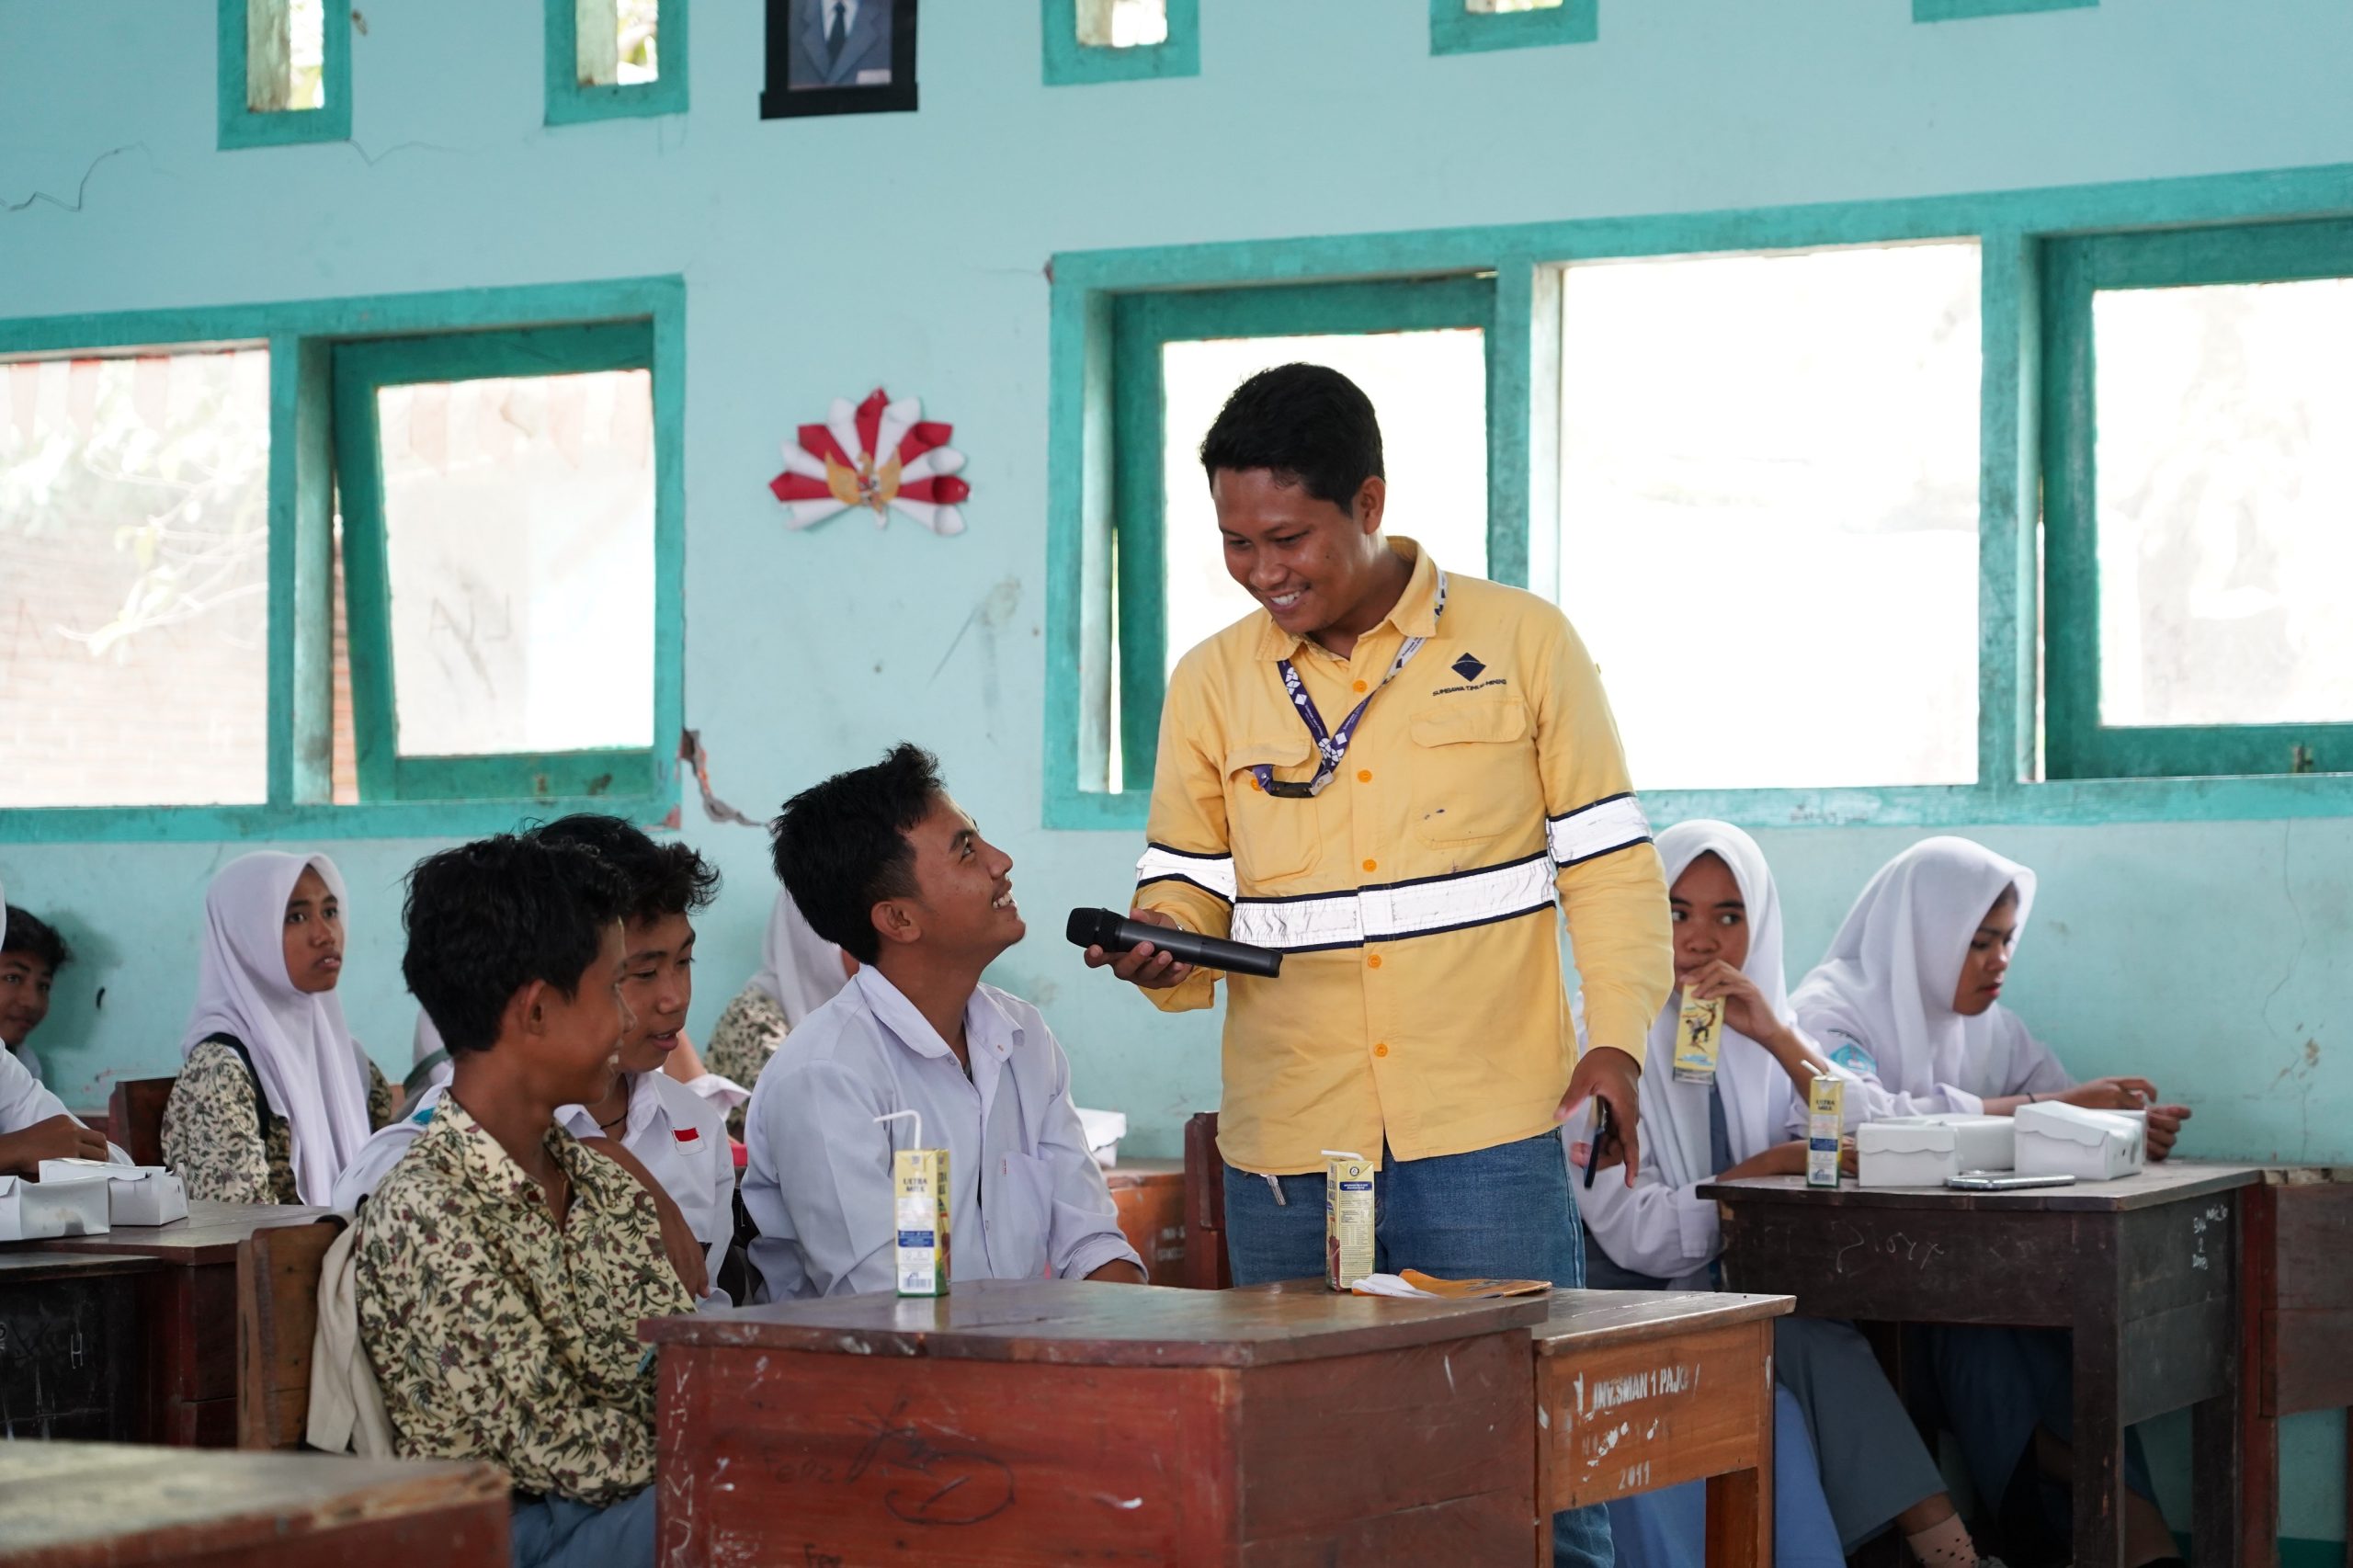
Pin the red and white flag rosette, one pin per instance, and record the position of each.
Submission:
(880, 455)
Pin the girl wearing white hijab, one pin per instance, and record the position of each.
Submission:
(1851, 1458)
(274, 1097)
(34, 1123)
(800, 972)
(1907, 1000)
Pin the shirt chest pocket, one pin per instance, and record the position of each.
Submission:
(1020, 1211)
(1274, 837)
(1474, 774)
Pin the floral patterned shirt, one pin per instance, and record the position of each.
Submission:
(497, 1334)
(746, 1035)
(232, 1148)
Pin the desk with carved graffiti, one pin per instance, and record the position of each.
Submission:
(1051, 1421)
(2142, 1270)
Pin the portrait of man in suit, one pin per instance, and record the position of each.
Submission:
(839, 43)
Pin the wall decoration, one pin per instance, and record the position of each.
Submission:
(839, 57)
(880, 455)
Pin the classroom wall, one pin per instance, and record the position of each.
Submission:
(823, 258)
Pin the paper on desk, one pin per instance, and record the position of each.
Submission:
(1414, 1282)
(1104, 1129)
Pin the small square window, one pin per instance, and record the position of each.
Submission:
(285, 72)
(1120, 40)
(1122, 24)
(1462, 27)
(615, 58)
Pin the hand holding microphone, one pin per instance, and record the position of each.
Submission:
(1121, 944)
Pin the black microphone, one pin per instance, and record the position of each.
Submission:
(1114, 933)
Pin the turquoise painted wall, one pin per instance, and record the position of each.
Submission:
(823, 258)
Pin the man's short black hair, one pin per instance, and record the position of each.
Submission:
(1309, 423)
(487, 918)
(841, 846)
(664, 879)
(28, 933)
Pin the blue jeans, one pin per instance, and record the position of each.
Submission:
(556, 1532)
(1505, 1213)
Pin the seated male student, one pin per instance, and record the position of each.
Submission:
(31, 952)
(502, 1266)
(34, 1123)
(884, 862)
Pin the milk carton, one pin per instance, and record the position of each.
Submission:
(1825, 1121)
(919, 1213)
(2090, 1145)
(1698, 1036)
(1348, 1219)
(136, 1195)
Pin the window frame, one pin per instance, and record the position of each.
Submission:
(2077, 744)
(2021, 234)
(1070, 64)
(1969, 10)
(303, 337)
(1454, 31)
(570, 101)
(241, 127)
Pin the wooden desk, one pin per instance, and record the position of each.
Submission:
(1052, 1422)
(104, 1506)
(1641, 1389)
(2296, 1324)
(73, 1363)
(191, 1313)
(1151, 1197)
(2142, 1270)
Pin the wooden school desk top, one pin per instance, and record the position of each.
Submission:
(1083, 1322)
(209, 1235)
(1595, 1320)
(2171, 1181)
(72, 1503)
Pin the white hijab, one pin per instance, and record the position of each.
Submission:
(799, 970)
(303, 1053)
(1757, 1094)
(1890, 971)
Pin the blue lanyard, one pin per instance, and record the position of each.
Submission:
(1332, 745)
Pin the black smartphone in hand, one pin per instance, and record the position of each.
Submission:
(1601, 1131)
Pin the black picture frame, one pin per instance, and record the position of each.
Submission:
(779, 99)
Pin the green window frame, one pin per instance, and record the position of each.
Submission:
(242, 126)
(1070, 64)
(1968, 10)
(571, 101)
(2077, 744)
(314, 345)
(1454, 31)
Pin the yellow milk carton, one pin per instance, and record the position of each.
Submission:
(1348, 1219)
(1825, 1121)
(919, 1186)
(1699, 1036)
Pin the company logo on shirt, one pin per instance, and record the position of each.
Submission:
(1468, 667)
(1848, 1054)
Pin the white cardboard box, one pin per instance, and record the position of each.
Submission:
(137, 1195)
(33, 1210)
(2090, 1145)
(1924, 1150)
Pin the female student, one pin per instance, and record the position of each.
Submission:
(1874, 1469)
(800, 972)
(274, 1096)
(1908, 1001)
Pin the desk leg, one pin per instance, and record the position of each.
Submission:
(2099, 1432)
(1740, 1502)
(2221, 1525)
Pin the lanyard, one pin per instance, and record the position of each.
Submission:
(1332, 745)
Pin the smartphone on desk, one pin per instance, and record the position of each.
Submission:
(2004, 1181)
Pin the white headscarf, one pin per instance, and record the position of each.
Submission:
(1890, 974)
(301, 1048)
(1756, 1092)
(799, 970)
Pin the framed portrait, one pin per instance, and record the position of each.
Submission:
(839, 57)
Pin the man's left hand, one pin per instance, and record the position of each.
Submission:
(1616, 1078)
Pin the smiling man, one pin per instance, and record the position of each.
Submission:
(1393, 775)
(881, 861)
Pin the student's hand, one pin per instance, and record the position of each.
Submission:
(59, 1138)
(2164, 1126)
(678, 1239)
(1781, 1159)
(2108, 1094)
(1143, 964)
(1606, 1071)
(1745, 1006)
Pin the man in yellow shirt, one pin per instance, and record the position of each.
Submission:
(1392, 773)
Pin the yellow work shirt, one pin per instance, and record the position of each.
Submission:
(1421, 1002)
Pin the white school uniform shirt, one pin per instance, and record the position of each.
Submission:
(1661, 1226)
(1024, 1198)
(679, 1136)
(23, 1099)
(1880, 1004)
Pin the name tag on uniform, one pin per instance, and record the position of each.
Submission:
(1699, 1036)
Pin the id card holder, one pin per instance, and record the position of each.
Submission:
(1699, 1036)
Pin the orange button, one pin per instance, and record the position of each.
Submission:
(1364, 775)
(1372, 865)
(1381, 1050)
(1359, 686)
(1373, 962)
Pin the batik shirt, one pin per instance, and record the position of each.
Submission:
(228, 1146)
(497, 1334)
(747, 1034)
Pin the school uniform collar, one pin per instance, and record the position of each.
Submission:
(465, 1149)
(1414, 615)
(646, 1106)
(988, 1029)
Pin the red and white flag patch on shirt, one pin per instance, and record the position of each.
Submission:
(688, 1135)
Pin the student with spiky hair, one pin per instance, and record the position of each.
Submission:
(31, 952)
